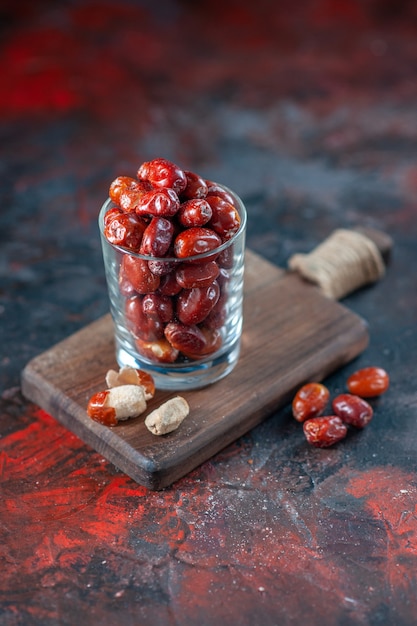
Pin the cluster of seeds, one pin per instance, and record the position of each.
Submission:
(175, 305)
(126, 396)
(348, 409)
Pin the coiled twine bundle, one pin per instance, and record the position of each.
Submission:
(345, 261)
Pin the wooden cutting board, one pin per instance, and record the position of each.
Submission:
(292, 334)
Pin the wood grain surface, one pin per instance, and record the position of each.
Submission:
(292, 334)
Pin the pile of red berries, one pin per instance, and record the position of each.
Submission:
(168, 211)
(351, 409)
(176, 304)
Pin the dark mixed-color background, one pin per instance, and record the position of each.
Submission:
(308, 109)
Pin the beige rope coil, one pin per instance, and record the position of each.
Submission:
(345, 261)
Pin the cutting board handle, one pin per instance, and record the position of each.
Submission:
(345, 261)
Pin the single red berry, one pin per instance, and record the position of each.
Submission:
(352, 410)
(157, 203)
(125, 191)
(225, 220)
(214, 189)
(111, 214)
(196, 186)
(325, 431)
(163, 174)
(310, 401)
(368, 382)
(157, 237)
(136, 272)
(194, 241)
(195, 212)
(120, 185)
(124, 229)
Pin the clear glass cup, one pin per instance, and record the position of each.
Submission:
(212, 344)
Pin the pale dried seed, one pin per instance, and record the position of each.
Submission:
(168, 416)
(126, 400)
(125, 376)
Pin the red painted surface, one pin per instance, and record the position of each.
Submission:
(390, 495)
(308, 110)
(104, 56)
(247, 541)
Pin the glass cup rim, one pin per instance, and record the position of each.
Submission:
(226, 244)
